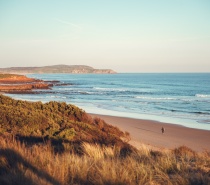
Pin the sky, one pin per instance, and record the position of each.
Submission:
(123, 35)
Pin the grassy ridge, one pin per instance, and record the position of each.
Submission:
(61, 123)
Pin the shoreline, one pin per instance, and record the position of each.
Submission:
(148, 132)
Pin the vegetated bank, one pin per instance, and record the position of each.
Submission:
(58, 143)
(62, 123)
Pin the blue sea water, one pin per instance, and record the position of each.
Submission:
(176, 98)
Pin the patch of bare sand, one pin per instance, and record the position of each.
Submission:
(146, 132)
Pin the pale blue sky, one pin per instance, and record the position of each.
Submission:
(124, 35)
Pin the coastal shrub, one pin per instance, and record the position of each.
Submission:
(55, 121)
(67, 134)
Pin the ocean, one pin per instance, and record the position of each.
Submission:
(176, 98)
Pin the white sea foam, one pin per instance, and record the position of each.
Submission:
(153, 98)
(109, 89)
(64, 89)
(62, 97)
(203, 95)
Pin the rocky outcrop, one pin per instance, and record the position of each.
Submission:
(22, 87)
(13, 79)
(9, 83)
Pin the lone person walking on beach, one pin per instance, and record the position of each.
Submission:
(163, 130)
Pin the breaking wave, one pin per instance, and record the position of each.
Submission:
(203, 95)
(153, 98)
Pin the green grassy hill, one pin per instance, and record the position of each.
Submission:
(55, 121)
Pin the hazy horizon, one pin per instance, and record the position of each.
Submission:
(125, 36)
(106, 68)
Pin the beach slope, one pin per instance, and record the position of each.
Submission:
(149, 133)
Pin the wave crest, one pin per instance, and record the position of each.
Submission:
(203, 95)
(153, 98)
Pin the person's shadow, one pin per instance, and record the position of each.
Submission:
(12, 171)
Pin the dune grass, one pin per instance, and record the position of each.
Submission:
(38, 164)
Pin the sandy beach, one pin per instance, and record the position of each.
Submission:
(149, 133)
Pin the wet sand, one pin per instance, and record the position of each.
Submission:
(146, 132)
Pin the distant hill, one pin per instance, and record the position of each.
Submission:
(57, 69)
